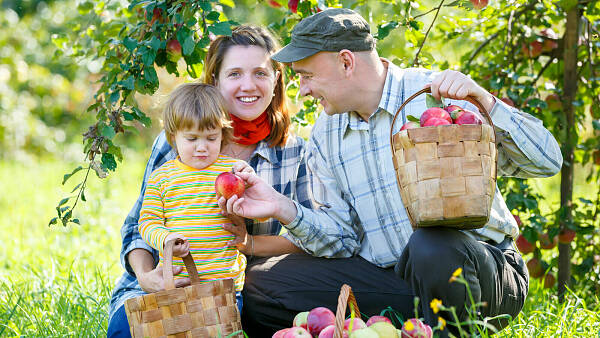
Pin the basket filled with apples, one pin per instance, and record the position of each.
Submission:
(446, 166)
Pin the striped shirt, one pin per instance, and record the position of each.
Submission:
(359, 209)
(284, 168)
(182, 199)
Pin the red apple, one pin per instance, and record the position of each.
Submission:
(357, 324)
(468, 117)
(409, 125)
(524, 245)
(281, 333)
(297, 332)
(452, 108)
(434, 121)
(508, 101)
(532, 50)
(228, 184)
(534, 266)
(434, 112)
(479, 4)
(274, 4)
(319, 318)
(375, 319)
(173, 50)
(293, 5)
(550, 38)
(553, 101)
(549, 281)
(546, 243)
(329, 331)
(419, 329)
(300, 319)
(566, 236)
(156, 15)
(518, 220)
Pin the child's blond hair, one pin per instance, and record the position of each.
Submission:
(196, 106)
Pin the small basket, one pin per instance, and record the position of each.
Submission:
(197, 310)
(346, 297)
(446, 174)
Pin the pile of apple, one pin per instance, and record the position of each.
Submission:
(437, 116)
(320, 322)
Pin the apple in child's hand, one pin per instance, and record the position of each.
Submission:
(318, 319)
(228, 184)
(376, 319)
(434, 121)
(468, 117)
(297, 332)
(409, 125)
(434, 112)
(300, 319)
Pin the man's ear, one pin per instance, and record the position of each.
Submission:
(347, 60)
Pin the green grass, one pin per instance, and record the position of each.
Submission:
(56, 282)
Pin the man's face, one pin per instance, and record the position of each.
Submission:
(322, 77)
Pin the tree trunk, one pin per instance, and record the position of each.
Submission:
(566, 178)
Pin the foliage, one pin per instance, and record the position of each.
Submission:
(516, 49)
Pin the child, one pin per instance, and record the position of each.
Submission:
(180, 200)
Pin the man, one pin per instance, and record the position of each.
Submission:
(360, 217)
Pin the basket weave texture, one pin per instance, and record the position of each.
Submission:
(446, 174)
(345, 298)
(197, 310)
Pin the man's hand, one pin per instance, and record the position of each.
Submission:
(242, 166)
(260, 201)
(458, 86)
(182, 245)
(152, 281)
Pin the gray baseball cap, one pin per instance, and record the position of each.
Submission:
(331, 30)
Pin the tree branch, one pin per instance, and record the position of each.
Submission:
(543, 70)
(416, 60)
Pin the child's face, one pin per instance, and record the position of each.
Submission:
(198, 148)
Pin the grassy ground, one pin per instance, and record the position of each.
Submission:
(56, 282)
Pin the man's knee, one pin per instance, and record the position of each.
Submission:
(432, 247)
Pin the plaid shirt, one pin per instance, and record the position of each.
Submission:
(359, 209)
(282, 167)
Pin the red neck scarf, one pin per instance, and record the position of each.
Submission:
(251, 132)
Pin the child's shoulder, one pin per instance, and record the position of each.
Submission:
(164, 170)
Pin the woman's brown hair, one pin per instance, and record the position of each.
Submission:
(250, 35)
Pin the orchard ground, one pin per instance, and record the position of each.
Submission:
(56, 282)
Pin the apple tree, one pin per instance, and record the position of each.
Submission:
(540, 56)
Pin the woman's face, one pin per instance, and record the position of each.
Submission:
(246, 81)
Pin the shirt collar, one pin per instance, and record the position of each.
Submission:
(266, 152)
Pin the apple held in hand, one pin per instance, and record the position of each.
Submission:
(318, 319)
(434, 112)
(228, 184)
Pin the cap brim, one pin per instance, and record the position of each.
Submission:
(292, 53)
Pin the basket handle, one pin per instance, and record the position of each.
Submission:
(425, 90)
(346, 297)
(168, 265)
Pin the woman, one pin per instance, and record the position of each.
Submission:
(241, 68)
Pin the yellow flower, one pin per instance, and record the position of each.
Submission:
(455, 274)
(442, 323)
(435, 305)
(408, 326)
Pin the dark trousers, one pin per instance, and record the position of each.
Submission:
(277, 288)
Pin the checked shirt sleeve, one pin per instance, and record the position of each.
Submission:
(131, 238)
(326, 230)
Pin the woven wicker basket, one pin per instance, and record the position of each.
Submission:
(346, 297)
(446, 174)
(198, 310)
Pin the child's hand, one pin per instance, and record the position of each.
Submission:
(242, 166)
(182, 245)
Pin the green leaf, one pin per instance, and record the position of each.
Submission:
(127, 116)
(67, 176)
(228, 3)
(53, 221)
(63, 201)
(114, 97)
(188, 45)
(85, 7)
(430, 101)
(384, 30)
(596, 124)
(83, 195)
(205, 6)
(108, 162)
(150, 74)
(107, 131)
(213, 16)
(155, 43)
(76, 187)
(148, 57)
(76, 221)
(130, 43)
(116, 151)
(412, 118)
(220, 28)
(128, 83)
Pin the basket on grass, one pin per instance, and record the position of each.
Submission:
(197, 310)
(446, 174)
(346, 299)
